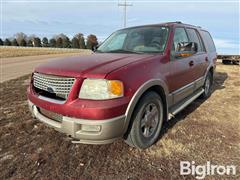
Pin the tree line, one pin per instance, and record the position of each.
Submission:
(57, 41)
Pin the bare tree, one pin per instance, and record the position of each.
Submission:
(92, 41)
(52, 42)
(75, 43)
(23, 43)
(59, 42)
(30, 43)
(66, 43)
(81, 40)
(20, 36)
(62, 36)
(14, 42)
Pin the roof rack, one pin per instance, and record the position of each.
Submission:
(179, 22)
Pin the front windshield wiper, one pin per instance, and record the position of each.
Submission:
(123, 51)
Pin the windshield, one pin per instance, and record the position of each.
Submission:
(136, 40)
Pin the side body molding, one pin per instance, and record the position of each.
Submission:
(143, 88)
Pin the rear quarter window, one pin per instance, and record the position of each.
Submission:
(208, 41)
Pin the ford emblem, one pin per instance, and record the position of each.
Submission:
(50, 89)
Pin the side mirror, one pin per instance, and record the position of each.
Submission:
(186, 49)
(94, 48)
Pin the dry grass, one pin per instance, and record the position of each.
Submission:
(6, 52)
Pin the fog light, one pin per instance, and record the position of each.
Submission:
(91, 128)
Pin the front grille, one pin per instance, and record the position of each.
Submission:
(57, 85)
(51, 115)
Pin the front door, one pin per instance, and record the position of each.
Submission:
(182, 69)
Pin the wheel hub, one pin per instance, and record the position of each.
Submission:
(207, 85)
(149, 120)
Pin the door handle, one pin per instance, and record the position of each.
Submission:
(191, 63)
(206, 59)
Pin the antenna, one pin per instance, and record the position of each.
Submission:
(125, 5)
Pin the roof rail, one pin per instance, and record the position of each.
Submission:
(179, 22)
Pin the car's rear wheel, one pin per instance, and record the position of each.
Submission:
(146, 122)
(207, 86)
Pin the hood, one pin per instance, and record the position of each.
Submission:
(95, 65)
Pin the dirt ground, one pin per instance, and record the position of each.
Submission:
(205, 131)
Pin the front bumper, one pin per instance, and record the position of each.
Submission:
(106, 131)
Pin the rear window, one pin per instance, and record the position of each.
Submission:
(208, 41)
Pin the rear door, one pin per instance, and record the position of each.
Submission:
(200, 58)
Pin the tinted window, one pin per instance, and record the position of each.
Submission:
(180, 35)
(193, 37)
(208, 41)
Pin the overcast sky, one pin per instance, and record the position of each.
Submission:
(48, 18)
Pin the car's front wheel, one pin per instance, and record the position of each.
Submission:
(146, 122)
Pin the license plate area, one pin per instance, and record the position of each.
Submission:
(51, 115)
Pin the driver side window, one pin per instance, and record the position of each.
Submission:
(180, 36)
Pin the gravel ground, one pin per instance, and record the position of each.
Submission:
(205, 131)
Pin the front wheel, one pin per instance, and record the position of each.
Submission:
(146, 122)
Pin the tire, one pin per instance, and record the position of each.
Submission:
(146, 122)
(207, 86)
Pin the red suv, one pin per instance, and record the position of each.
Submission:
(136, 79)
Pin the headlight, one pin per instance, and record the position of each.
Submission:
(99, 89)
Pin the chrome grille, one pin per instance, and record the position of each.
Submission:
(61, 86)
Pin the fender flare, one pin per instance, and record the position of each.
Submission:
(208, 69)
(138, 94)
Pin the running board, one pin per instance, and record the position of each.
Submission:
(184, 103)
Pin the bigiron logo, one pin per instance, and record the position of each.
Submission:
(201, 171)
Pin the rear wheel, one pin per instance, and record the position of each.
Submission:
(146, 122)
(207, 86)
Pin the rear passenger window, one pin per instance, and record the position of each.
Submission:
(208, 41)
(180, 36)
(193, 37)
